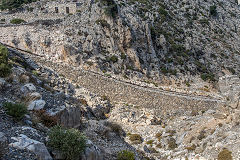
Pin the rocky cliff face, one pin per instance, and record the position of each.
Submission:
(140, 39)
(181, 44)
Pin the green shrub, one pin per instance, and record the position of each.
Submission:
(17, 21)
(204, 21)
(5, 69)
(150, 142)
(17, 111)
(163, 13)
(125, 155)
(225, 155)
(191, 148)
(213, 10)
(164, 70)
(110, 8)
(113, 59)
(103, 23)
(208, 76)
(12, 4)
(71, 142)
(3, 54)
(172, 143)
(159, 136)
(135, 138)
(123, 56)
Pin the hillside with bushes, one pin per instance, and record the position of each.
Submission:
(120, 80)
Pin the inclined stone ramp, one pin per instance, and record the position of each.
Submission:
(162, 103)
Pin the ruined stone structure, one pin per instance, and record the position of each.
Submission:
(64, 7)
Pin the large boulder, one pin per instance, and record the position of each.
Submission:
(36, 105)
(229, 86)
(28, 88)
(70, 117)
(25, 143)
(92, 152)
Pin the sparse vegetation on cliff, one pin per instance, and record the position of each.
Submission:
(70, 142)
(225, 154)
(5, 67)
(17, 111)
(13, 4)
(110, 7)
(17, 21)
(125, 155)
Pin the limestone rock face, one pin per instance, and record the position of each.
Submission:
(230, 87)
(28, 88)
(36, 105)
(92, 152)
(71, 117)
(23, 142)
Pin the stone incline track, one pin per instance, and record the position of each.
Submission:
(160, 101)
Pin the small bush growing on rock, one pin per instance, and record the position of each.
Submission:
(17, 111)
(5, 68)
(71, 142)
(105, 98)
(213, 10)
(159, 145)
(83, 102)
(172, 143)
(191, 148)
(103, 23)
(110, 7)
(17, 21)
(135, 138)
(159, 136)
(125, 155)
(225, 155)
(150, 142)
(113, 59)
(123, 56)
(208, 76)
(34, 72)
(12, 4)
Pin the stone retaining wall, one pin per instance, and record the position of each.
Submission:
(31, 17)
(161, 103)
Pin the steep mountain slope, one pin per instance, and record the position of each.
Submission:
(136, 48)
(141, 39)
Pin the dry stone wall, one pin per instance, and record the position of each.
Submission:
(161, 103)
(31, 17)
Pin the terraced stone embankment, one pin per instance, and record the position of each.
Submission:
(162, 103)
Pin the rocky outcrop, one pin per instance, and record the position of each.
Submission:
(230, 88)
(23, 142)
(139, 42)
(92, 152)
